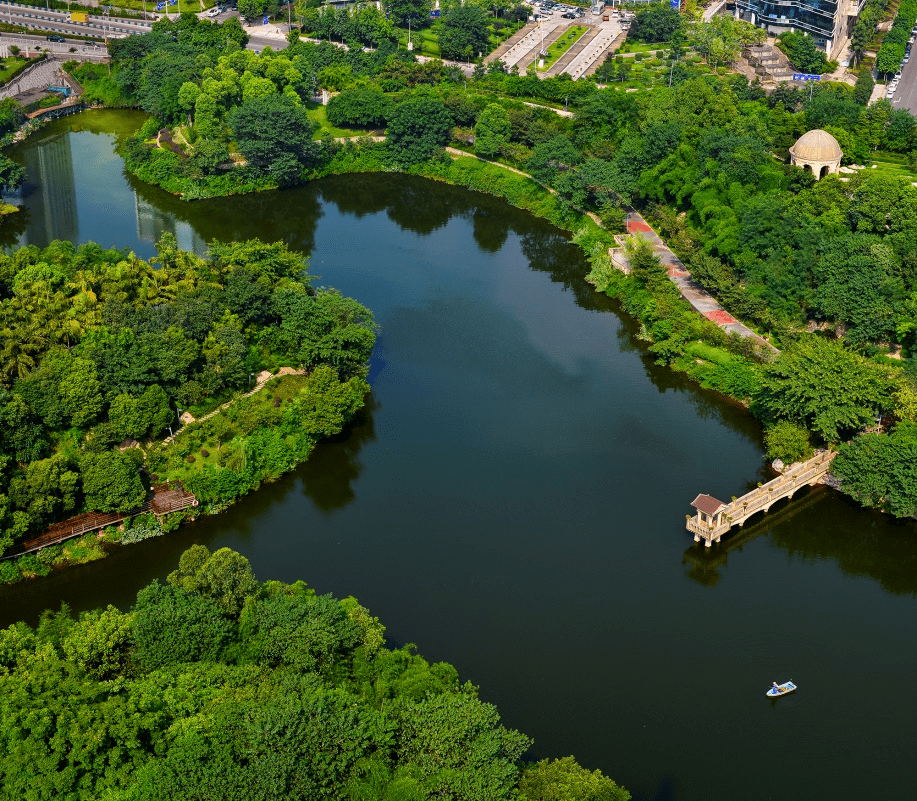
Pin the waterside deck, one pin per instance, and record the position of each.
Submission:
(164, 498)
(714, 518)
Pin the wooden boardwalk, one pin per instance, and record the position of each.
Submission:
(714, 518)
(164, 498)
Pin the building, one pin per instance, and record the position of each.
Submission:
(817, 151)
(829, 22)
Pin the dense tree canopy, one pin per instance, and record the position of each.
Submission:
(101, 347)
(218, 686)
(417, 129)
(464, 33)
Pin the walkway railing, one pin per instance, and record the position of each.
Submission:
(761, 498)
(165, 498)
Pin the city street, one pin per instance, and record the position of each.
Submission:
(906, 95)
(85, 51)
(98, 26)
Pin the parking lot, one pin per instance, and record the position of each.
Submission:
(552, 19)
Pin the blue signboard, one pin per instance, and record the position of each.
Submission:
(435, 12)
(160, 6)
(676, 4)
(801, 76)
(265, 20)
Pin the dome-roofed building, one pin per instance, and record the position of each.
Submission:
(817, 150)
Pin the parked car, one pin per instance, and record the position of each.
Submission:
(55, 38)
(213, 12)
(569, 15)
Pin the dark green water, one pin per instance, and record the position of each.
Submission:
(513, 500)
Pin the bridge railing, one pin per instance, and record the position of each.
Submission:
(763, 497)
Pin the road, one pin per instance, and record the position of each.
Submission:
(98, 26)
(906, 95)
(85, 51)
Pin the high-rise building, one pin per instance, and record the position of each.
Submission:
(828, 22)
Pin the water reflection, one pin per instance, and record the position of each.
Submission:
(329, 476)
(703, 563)
(513, 498)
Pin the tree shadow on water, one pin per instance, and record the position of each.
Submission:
(12, 227)
(329, 474)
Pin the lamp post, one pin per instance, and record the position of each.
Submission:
(178, 412)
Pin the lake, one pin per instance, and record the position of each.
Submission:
(512, 498)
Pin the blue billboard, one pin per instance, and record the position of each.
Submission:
(801, 76)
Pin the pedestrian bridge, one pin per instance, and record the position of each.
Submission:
(714, 518)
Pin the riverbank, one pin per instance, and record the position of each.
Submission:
(246, 309)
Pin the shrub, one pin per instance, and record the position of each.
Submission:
(788, 442)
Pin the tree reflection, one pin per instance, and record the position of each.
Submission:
(490, 230)
(290, 216)
(334, 466)
(13, 226)
(820, 525)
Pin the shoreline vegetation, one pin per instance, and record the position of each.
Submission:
(104, 351)
(826, 271)
(216, 685)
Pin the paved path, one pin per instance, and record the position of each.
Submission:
(590, 59)
(713, 9)
(560, 65)
(530, 58)
(33, 78)
(696, 295)
(513, 40)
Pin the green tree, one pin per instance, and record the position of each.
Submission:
(492, 131)
(267, 128)
(564, 780)
(364, 107)
(881, 470)
(464, 34)
(224, 576)
(820, 385)
(99, 644)
(787, 441)
(171, 626)
(417, 129)
(111, 482)
(657, 23)
(459, 747)
(400, 11)
(864, 86)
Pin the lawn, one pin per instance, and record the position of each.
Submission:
(285, 387)
(562, 45)
(194, 6)
(10, 67)
(640, 47)
(426, 40)
(892, 169)
(318, 114)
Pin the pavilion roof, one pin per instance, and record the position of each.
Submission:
(707, 504)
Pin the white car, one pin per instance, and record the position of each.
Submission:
(213, 12)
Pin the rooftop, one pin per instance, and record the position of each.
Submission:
(707, 504)
(817, 145)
